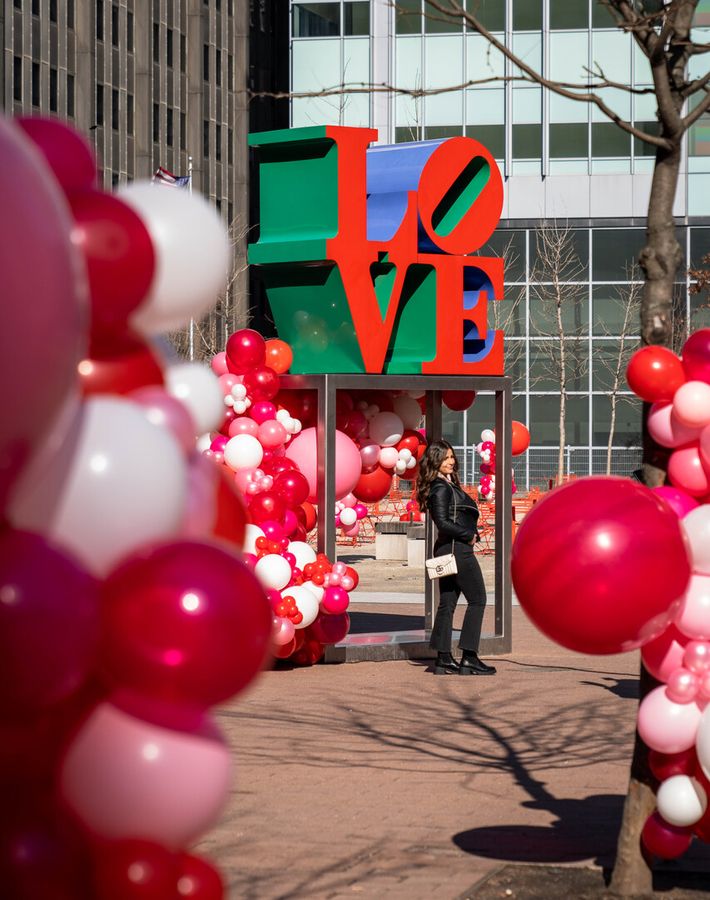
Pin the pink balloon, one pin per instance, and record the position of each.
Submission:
(201, 507)
(262, 411)
(667, 726)
(361, 510)
(682, 686)
(335, 600)
(243, 425)
(271, 434)
(126, 777)
(244, 478)
(219, 363)
(691, 404)
(274, 531)
(370, 456)
(339, 568)
(165, 411)
(697, 657)
(664, 654)
(680, 502)
(686, 471)
(705, 446)
(666, 429)
(227, 381)
(283, 630)
(696, 356)
(347, 583)
(693, 618)
(303, 451)
(218, 444)
(349, 500)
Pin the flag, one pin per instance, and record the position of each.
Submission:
(163, 176)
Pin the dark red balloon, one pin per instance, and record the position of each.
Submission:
(458, 401)
(266, 507)
(664, 840)
(261, 383)
(655, 374)
(119, 256)
(373, 486)
(198, 879)
(309, 409)
(584, 559)
(309, 653)
(119, 364)
(184, 622)
(66, 151)
(696, 356)
(356, 424)
(330, 629)
(665, 765)
(275, 465)
(49, 624)
(134, 869)
(292, 487)
(246, 350)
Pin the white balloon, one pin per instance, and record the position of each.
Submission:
(251, 533)
(204, 442)
(243, 451)
(696, 525)
(702, 741)
(693, 617)
(316, 589)
(198, 388)
(348, 517)
(409, 411)
(681, 800)
(400, 467)
(488, 435)
(405, 454)
(273, 571)
(389, 457)
(306, 601)
(119, 484)
(303, 552)
(192, 255)
(386, 429)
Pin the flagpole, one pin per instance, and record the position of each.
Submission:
(192, 321)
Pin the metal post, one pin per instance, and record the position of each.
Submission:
(502, 643)
(326, 465)
(192, 321)
(431, 588)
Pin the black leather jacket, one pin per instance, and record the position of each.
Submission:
(441, 506)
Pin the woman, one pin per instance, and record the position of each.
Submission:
(455, 515)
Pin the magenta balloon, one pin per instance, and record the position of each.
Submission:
(165, 411)
(274, 531)
(335, 601)
(44, 302)
(696, 356)
(67, 152)
(262, 411)
(49, 624)
(303, 451)
(680, 502)
(283, 631)
(246, 349)
(587, 568)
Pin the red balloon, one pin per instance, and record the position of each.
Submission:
(584, 559)
(373, 486)
(184, 622)
(261, 383)
(119, 364)
(655, 374)
(292, 487)
(246, 349)
(664, 840)
(49, 624)
(266, 507)
(283, 651)
(310, 653)
(696, 356)
(135, 869)
(279, 356)
(411, 440)
(198, 879)
(520, 440)
(119, 256)
(458, 401)
(665, 765)
(311, 515)
(309, 409)
(330, 629)
(66, 151)
(231, 518)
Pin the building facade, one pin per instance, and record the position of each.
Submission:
(566, 170)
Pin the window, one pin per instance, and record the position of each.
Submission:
(115, 32)
(527, 141)
(490, 13)
(129, 31)
(569, 14)
(99, 20)
(230, 147)
(52, 10)
(169, 47)
(408, 17)
(218, 143)
(437, 132)
(129, 113)
(70, 13)
(99, 104)
(602, 16)
(206, 62)
(527, 15)
(511, 246)
(356, 17)
(568, 140)
(183, 53)
(491, 136)
(230, 72)
(643, 148)
(114, 109)
(35, 7)
(575, 247)
(53, 93)
(609, 303)
(169, 128)
(35, 84)
(17, 78)
(316, 19)
(206, 139)
(17, 4)
(156, 41)
(70, 96)
(436, 23)
(574, 311)
(183, 129)
(614, 251)
(230, 213)
(627, 430)
(218, 67)
(156, 122)
(609, 140)
(545, 413)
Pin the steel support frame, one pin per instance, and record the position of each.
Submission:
(326, 386)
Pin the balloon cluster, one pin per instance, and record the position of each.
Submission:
(486, 449)
(412, 512)
(125, 615)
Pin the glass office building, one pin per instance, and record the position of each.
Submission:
(562, 161)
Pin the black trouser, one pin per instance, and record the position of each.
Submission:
(469, 582)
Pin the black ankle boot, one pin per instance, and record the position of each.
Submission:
(445, 664)
(472, 665)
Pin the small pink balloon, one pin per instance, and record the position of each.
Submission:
(243, 425)
(165, 411)
(349, 500)
(244, 478)
(219, 363)
(353, 531)
(339, 568)
(665, 653)
(682, 686)
(347, 583)
(283, 630)
(227, 382)
(361, 510)
(335, 600)
(705, 446)
(680, 502)
(693, 618)
(691, 404)
(666, 429)
(686, 471)
(271, 434)
(697, 657)
(667, 726)
(262, 411)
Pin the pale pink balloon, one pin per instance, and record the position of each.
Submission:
(125, 777)
(243, 425)
(203, 476)
(352, 532)
(705, 446)
(271, 434)
(680, 502)
(389, 457)
(339, 568)
(691, 404)
(219, 363)
(686, 471)
(370, 456)
(386, 429)
(666, 726)
(665, 653)
(282, 631)
(165, 411)
(697, 657)
(227, 381)
(666, 429)
(303, 451)
(682, 686)
(347, 582)
(349, 500)
(693, 619)
(245, 477)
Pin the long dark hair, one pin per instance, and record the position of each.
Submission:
(429, 469)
